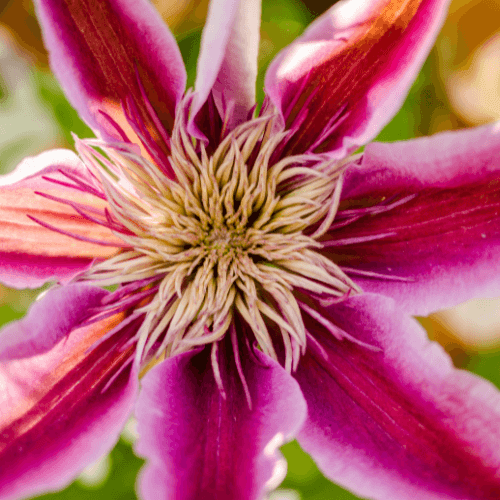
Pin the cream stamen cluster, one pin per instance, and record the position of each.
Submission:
(229, 236)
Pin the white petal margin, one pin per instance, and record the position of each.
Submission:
(280, 468)
(31, 165)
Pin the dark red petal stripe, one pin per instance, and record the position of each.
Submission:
(451, 222)
(74, 398)
(337, 86)
(203, 445)
(402, 418)
(110, 49)
(444, 243)
(393, 423)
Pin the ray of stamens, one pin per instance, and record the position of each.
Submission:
(286, 172)
(332, 211)
(314, 185)
(333, 123)
(208, 337)
(266, 272)
(102, 313)
(127, 321)
(160, 128)
(371, 274)
(138, 178)
(136, 122)
(380, 208)
(115, 125)
(253, 144)
(94, 160)
(343, 223)
(300, 92)
(118, 199)
(184, 312)
(160, 328)
(278, 319)
(336, 331)
(327, 302)
(116, 228)
(216, 370)
(255, 321)
(187, 146)
(133, 299)
(357, 239)
(85, 186)
(298, 281)
(153, 315)
(73, 235)
(71, 203)
(88, 217)
(267, 211)
(117, 278)
(260, 181)
(328, 265)
(287, 344)
(72, 186)
(304, 111)
(314, 189)
(151, 146)
(145, 172)
(310, 338)
(221, 172)
(237, 360)
(126, 290)
(133, 262)
(142, 335)
(289, 309)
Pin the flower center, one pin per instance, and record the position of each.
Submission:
(222, 242)
(233, 238)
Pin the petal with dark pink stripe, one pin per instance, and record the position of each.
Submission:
(62, 405)
(428, 232)
(399, 423)
(201, 444)
(113, 53)
(52, 221)
(345, 78)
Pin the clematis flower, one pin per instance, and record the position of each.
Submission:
(256, 274)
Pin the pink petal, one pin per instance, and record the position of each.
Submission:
(62, 308)
(227, 65)
(56, 413)
(99, 49)
(31, 254)
(202, 445)
(346, 77)
(401, 423)
(444, 239)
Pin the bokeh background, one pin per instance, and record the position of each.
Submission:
(458, 87)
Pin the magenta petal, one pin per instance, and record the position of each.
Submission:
(62, 308)
(349, 73)
(400, 423)
(61, 405)
(444, 240)
(200, 445)
(27, 271)
(99, 49)
(227, 65)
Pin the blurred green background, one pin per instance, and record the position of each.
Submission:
(458, 87)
